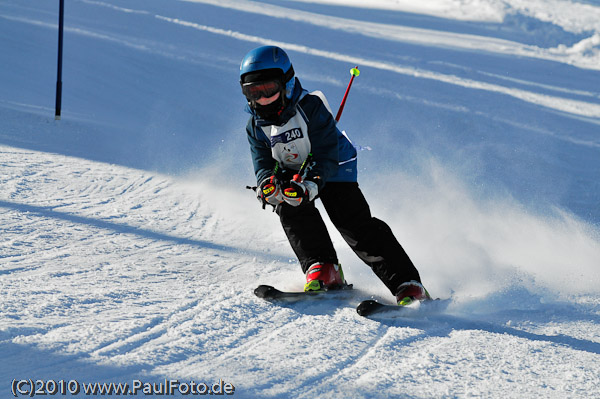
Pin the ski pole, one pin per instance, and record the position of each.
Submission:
(354, 72)
(277, 171)
(306, 166)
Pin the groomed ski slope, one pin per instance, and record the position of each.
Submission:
(130, 246)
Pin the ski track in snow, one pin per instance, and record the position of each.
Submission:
(561, 104)
(576, 54)
(109, 273)
(379, 31)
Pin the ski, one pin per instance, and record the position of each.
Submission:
(269, 292)
(370, 307)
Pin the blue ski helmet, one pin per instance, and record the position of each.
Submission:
(268, 63)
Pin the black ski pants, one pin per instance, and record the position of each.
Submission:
(370, 238)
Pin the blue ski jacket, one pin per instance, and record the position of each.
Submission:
(306, 126)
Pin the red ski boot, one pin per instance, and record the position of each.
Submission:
(411, 291)
(324, 276)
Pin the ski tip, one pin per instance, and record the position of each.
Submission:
(264, 291)
(368, 307)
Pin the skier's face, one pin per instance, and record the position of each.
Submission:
(268, 100)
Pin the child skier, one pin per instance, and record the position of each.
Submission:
(300, 155)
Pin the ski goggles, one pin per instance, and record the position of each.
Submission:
(256, 90)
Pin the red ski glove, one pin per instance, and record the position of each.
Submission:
(300, 191)
(269, 191)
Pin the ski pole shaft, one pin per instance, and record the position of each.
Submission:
(354, 72)
(301, 175)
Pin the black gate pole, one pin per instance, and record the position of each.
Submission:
(61, 18)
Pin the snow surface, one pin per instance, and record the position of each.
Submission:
(131, 248)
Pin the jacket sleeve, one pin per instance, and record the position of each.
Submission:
(323, 135)
(260, 149)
